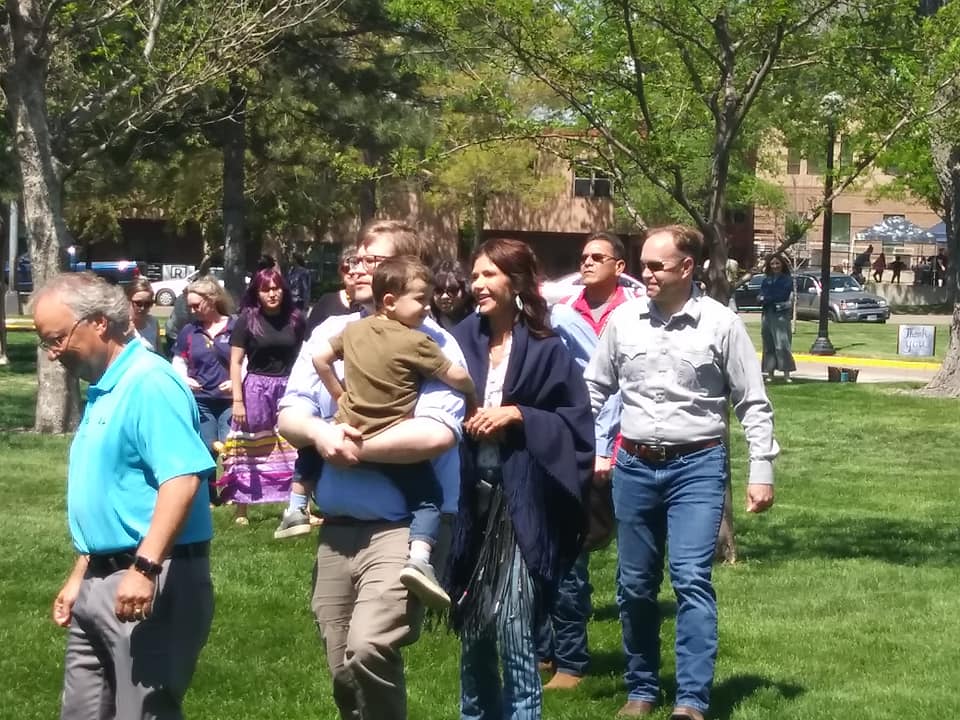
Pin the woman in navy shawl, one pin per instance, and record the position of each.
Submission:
(526, 464)
(776, 320)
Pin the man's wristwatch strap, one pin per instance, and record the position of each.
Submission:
(147, 567)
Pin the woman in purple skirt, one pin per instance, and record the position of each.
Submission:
(257, 462)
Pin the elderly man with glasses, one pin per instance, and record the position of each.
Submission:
(679, 359)
(139, 601)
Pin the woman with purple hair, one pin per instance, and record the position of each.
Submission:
(258, 463)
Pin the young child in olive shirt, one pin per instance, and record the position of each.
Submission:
(385, 360)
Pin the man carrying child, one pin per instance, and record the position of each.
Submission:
(364, 611)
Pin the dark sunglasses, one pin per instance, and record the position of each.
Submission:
(143, 304)
(598, 258)
(451, 290)
(656, 266)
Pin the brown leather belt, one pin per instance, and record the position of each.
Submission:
(663, 453)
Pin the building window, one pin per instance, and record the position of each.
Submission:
(815, 164)
(793, 161)
(590, 182)
(840, 232)
(846, 154)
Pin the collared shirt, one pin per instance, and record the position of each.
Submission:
(207, 358)
(678, 374)
(580, 304)
(140, 428)
(581, 341)
(360, 492)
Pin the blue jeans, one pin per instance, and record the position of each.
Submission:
(562, 636)
(509, 637)
(677, 504)
(215, 416)
(422, 493)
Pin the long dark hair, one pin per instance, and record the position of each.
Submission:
(517, 261)
(250, 302)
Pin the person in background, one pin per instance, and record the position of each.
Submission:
(562, 645)
(776, 319)
(940, 268)
(180, 315)
(202, 357)
(258, 463)
(145, 326)
(299, 281)
(679, 359)
(860, 262)
(896, 267)
(452, 301)
(138, 603)
(525, 473)
(879, 266)
(339, 302)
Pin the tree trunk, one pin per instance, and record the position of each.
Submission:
(479, 210)
(234, 214)
(946, 163)
(368, 189)
(24, 81)
(726, 550)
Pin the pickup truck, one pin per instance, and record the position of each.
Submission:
(115, 271)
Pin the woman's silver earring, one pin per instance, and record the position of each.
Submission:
(518, 302)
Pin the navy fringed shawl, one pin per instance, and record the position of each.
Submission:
(547, 460)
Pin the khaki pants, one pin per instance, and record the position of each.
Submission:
(365, 615)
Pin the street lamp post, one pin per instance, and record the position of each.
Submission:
(832, 104)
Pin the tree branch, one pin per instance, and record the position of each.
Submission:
(637, 68)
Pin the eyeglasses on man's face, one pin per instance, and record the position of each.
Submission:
(656, 266)
(61, 341)
(370, 262)
(597, 258)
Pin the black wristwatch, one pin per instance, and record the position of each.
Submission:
(147, 567)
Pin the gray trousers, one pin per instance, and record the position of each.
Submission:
(134, 670)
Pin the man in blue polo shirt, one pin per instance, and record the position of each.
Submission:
(139, 601)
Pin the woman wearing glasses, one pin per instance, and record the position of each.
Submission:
(202, 357)
(145, 325)
(451, 298)
(339, 302)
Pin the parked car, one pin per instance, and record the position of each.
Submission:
(165, 292)
(118, 272)
(745, 293)
(562, 288)
(848, 300)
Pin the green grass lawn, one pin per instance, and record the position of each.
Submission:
(866, 340)
(845, 603)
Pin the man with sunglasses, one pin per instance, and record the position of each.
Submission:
(365, 614)
(562, 643)
(679, 359)
(139, 601)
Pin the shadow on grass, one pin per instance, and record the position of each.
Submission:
(726, 696)
(878, 538)
(610, 611)
(22, 354)
(730, 693)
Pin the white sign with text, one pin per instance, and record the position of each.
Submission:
(917, 340)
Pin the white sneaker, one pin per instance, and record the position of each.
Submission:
(294, 522)
(418, 577)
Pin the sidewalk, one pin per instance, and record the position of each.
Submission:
(872, 370)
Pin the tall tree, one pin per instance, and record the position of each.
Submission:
(80, 77)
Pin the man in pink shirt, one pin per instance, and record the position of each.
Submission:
(563, 635)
